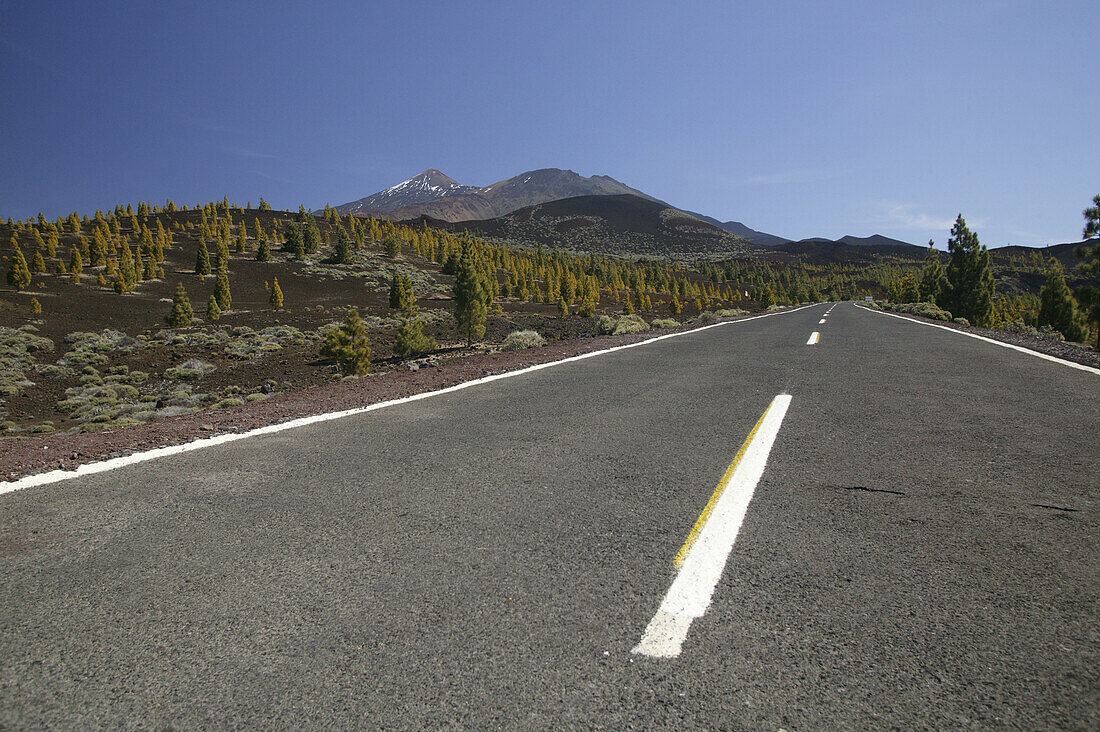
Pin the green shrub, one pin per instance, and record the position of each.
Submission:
(348, 346)
(923, 309)
(410, 339)
(664, 323)
(1050, 332)
(706, 318)
(630, 324)
(520, 339)
(192, 368)
(606, 325)
(960, 321)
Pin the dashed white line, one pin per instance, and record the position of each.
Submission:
(814, 338)
(821, 321)
(691, 592)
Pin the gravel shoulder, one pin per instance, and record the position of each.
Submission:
(1066, 350)
(22, 456)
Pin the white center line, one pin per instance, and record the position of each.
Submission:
(814, 338)
(705, 559)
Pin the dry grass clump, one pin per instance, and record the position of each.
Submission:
(520, 339)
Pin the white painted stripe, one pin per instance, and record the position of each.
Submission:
(1002, 344)
(55, 476)
(821, 321)
(691, 592)
(814, 338)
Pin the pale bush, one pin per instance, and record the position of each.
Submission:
(630, 324)
(520, 339)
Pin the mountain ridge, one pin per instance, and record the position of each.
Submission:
(610, 224)
(438, 196)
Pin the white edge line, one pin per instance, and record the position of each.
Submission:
(692, 590)
(1013, 346)
(54, 476)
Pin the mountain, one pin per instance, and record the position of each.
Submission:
(739, 229)
(435, 195)
(819, 250)
(875, 240)
(624, 224)
(428, 186)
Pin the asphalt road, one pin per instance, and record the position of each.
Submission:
(922, 551)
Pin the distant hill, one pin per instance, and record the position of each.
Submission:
(876, 240)
(739, 229)
(439, 197)
(622, 224)
(819, 250)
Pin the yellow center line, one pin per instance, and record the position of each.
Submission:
(702, 520)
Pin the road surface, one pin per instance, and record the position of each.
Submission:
(921, 550)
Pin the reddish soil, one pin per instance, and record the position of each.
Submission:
(37, 453)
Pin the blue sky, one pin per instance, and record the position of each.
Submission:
(800, 119)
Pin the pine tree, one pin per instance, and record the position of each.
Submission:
(766, 296)
(36, 307)
(139, 263)
(162, 242)
(38, 264)
(264, 205)
(628, 304)
(19, 276)
(276, 298)
(969, 292)
(221, 253)
(563, 308)
(202, 261)
(97, 250)
(411, 340)
(127, 274)
(587, 308)
(402, 296)
(213, 311)
(342, 250)
(1057, 308)
(311, 237)
(294, 243)
(263, 251)
(933, 279)
(674, 306)
(349, 346)
(242, 238)
(221, 291)
(392, 245)
(469, 294)
(182, 313)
